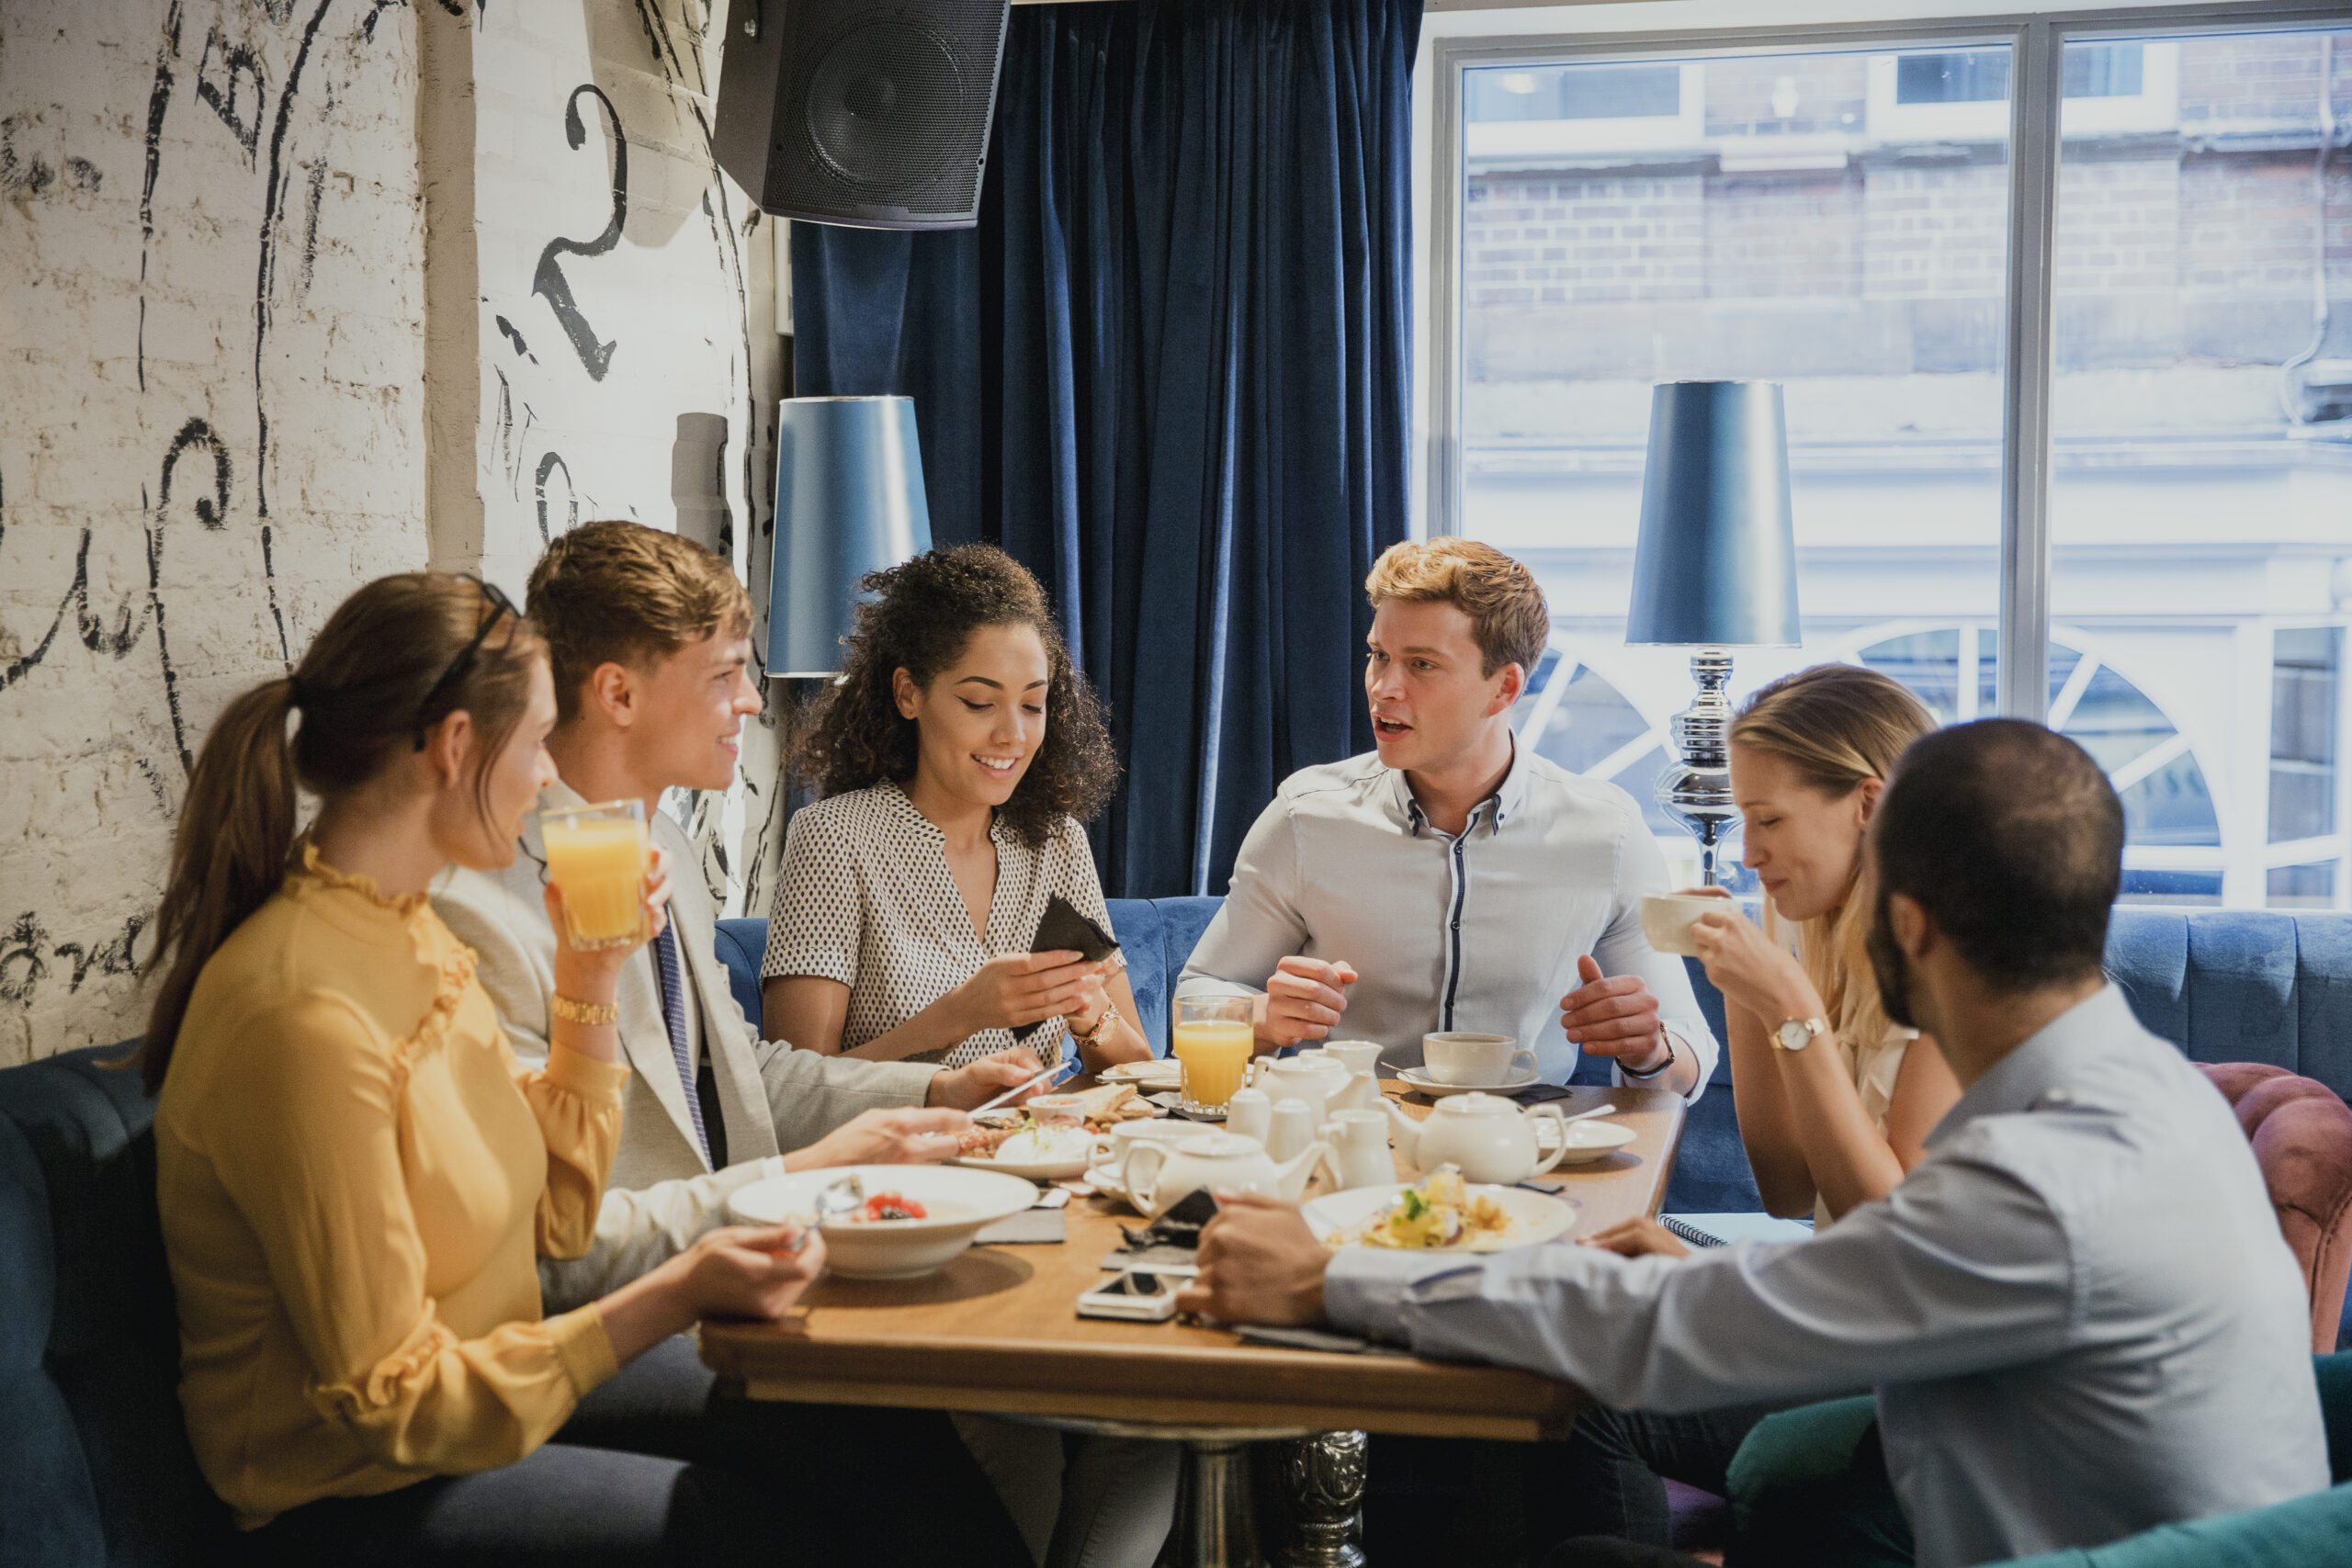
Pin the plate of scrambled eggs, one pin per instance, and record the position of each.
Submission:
(1441, 1214)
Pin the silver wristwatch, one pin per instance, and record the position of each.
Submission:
(1797, 1033)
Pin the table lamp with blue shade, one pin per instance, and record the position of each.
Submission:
(849, 500)
(1715, 569)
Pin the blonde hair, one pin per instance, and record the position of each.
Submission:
(617, 593)
(1507, 618)
(1837, 724)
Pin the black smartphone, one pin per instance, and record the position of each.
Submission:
(1062, 929)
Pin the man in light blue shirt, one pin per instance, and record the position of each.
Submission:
(1451, 879)
(2077, 1310)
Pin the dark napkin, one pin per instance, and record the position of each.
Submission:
(1544, 1091)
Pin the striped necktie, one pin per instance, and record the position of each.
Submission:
(673, 1016)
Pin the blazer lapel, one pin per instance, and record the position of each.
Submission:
(645, 1040)
(743, 1096)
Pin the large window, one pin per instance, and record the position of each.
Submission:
(1837, 219)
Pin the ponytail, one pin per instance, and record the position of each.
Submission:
(395, 659)
(228, 856)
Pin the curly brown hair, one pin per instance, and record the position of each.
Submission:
(922, 616)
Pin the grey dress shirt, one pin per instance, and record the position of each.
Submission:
(2078, 1311)
(1479, 932)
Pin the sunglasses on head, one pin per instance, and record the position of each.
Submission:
(501, 606)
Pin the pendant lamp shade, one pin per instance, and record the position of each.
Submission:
(1716, 565)
(849, 500)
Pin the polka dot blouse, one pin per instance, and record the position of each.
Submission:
(866, 897)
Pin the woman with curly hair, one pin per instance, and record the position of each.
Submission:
(958, 757)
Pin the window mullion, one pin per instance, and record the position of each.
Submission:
(2038, 80)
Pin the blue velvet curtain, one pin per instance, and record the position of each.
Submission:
(1170, 372)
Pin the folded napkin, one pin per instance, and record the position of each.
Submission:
(1029, 1225)
(1315, 1339)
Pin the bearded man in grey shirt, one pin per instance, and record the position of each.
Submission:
(1452, 879)
(2077, 1310)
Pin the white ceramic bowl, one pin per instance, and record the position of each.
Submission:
(960, 1201)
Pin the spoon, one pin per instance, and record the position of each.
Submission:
(840, 1199)
(1596, 1110)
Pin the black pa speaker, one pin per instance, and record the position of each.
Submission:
(847, 111)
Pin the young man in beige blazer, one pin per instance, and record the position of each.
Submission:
(649, 635)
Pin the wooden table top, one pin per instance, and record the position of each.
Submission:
(997, 1330)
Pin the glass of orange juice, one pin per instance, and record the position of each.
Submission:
(1214, 1043)
(596, 858)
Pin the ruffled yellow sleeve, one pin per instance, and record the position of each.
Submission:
(577, 1101)
(315, 1171)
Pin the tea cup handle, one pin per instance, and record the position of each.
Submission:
(1549, 1109)
(1522, 1062)
(1140, 1194)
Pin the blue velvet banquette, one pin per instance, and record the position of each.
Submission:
(95, 1467)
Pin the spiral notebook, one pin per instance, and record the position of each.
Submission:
(1722, 1230)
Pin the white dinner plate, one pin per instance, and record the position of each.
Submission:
(1158, 1073)
(1028, 1170)
(1534, 1216)
(1420, 1079)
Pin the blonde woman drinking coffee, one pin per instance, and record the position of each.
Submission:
(1835, 1101)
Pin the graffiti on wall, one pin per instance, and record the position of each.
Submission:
(177, 407)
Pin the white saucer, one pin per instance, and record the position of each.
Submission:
(1420, 1079)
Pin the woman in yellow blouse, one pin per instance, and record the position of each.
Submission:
(356, 1177)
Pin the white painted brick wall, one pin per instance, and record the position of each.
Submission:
(687, 298)
(91, 404)
(93, 398)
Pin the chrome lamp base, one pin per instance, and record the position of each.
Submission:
(1696, 790)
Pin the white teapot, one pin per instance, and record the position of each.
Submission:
(1487, 1136)
(1156, 1176)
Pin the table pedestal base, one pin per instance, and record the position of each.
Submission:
(1217, 1519)
(1326, 1475)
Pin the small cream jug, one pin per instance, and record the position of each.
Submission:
(1359, 1141)
(1487, 1136)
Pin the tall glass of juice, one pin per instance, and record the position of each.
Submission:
(1214, 1043)
(596, 858)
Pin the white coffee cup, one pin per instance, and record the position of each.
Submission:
(1667, 918)
(1460, 1057)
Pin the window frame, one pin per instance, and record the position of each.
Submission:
(2037, 129)
(2154, 107)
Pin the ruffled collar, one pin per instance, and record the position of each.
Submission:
(314, 869)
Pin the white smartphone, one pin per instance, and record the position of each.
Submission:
(1138, 1297)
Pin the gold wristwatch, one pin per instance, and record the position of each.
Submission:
(1796, 1034)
